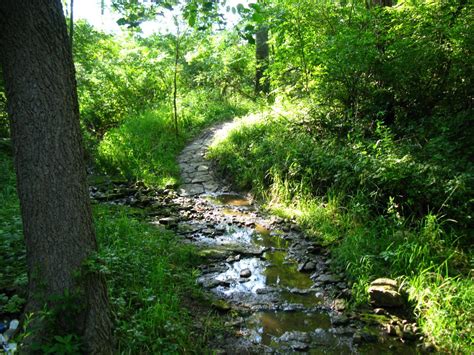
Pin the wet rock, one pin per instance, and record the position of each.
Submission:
(188, 228)
(208, 231)
(168, 221)
(393, 330)
(339, 304)
(298, 346)
(319, 294)
(383, 292)
(307, 266)
(265, 291)
(298, 291)
(314, 249)
(408, 332)
(191, 189)
(232, 258)
(380, 311)
(295, 336)
(245, 273)
(234, 323)
(211, 283)
(325, 278)
(339, 320)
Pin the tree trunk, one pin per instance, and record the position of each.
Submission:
(262, 83)
(51, 179)
(71, 24)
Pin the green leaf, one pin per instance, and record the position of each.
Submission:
(122, 22)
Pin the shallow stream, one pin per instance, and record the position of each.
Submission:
(279, 284)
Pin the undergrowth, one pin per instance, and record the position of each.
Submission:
(383, 204)
(145, 147)
(13, 279)
(149, 273)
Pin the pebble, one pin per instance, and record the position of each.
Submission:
(245, 273)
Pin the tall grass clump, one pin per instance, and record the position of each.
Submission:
(384, 205)
(149, 275)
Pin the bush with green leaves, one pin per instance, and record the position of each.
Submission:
(400, 64)
(117, 76)
(13, 279)
(149, 274)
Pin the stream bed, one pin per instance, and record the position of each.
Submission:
(279, 285)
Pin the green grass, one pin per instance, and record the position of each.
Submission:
(150, 276)
(361, 196)
(145, 147)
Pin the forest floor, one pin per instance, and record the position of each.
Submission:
(278, 289)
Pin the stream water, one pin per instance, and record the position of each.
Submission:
(278, 283)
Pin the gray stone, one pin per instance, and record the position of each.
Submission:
(380, 311)
(307, 266)
(340, 320)
(210, 186)
(200, 179)
(203, 168)
(384, 293)
(191, 189)
(327, 278)
(295, 336)
(383, 281)
(168, 221)
(245, 273)
(339, 304)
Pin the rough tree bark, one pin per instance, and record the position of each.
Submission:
(262, 84)
(39, 75)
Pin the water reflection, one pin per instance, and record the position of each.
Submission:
(229, 200)
(255, 282)
(274, 324)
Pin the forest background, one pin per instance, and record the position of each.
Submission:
(359, 126)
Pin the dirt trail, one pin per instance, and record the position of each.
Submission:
(279, 285)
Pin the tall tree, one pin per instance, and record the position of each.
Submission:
(51, 179)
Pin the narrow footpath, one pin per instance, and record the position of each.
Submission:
(276, 288)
